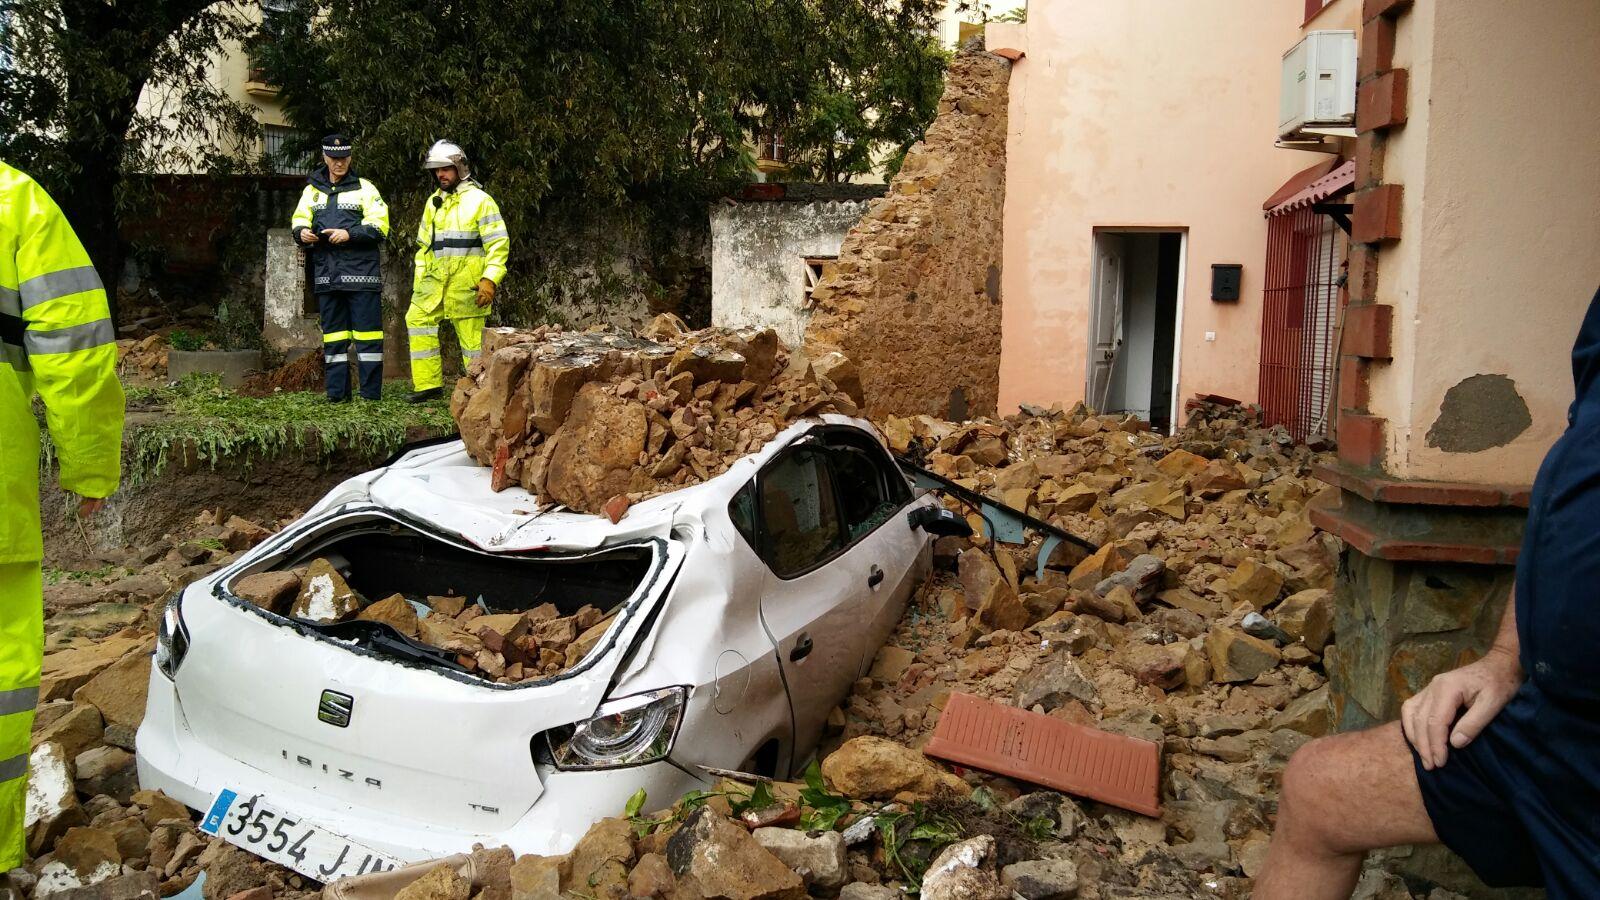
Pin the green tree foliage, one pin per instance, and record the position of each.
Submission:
(571, 106)
(71, 74)
(849, 88)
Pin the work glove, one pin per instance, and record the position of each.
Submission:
(485, 292)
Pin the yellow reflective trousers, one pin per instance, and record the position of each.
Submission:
(21, 648)
(422, 329)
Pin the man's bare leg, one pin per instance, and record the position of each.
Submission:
(1342, 796)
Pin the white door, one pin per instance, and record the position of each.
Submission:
(884, 552)
(1105, 317)
(810, 606)
(843, 560)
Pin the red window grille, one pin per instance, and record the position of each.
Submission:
(1301, 305)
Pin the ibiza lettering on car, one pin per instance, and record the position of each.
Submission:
(345, 774)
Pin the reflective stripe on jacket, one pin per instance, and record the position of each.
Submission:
(460, 239)
(356, 206)
(56, 338)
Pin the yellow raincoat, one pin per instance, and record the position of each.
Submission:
(461, 239)
(56, 339)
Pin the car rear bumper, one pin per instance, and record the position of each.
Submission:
(173, 760)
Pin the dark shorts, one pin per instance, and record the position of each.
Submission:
(1521, 804)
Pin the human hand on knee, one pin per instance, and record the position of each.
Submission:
(1483, 688)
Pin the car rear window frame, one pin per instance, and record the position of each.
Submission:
(310, 531)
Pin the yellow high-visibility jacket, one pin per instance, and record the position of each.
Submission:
(56, 338)
(460, 239)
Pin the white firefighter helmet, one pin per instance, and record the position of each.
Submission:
(444, 153)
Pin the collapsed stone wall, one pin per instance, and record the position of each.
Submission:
(596, 420)
(915, 301)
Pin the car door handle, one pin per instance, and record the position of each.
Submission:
(874, 577)
(802, 648)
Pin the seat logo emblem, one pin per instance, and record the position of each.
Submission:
(335, 708)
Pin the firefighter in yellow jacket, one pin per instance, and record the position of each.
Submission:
(56, 339)
(462, 247)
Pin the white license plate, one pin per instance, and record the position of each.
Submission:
(288, 840)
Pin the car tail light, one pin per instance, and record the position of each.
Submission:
(630, 731)
(172, 637)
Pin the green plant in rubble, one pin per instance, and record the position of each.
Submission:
(198, 416)
(53, 575)
(185, 341)
(823, 809)
(758, 799)
(898, 830)
(688, 803)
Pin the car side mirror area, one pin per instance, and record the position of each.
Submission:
(939, 522)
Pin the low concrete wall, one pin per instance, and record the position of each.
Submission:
(758, 253)
(232, 365)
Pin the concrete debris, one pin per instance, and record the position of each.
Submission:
(597, 420)
(724, 861)
(1145, 637)
(325, 597)
(1042, 879)
(965, 871)
(818, 857)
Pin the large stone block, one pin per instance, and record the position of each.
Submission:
(1398, 624)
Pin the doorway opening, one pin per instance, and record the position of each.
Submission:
(1133, 327)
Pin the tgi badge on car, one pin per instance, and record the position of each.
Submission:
(335, 708)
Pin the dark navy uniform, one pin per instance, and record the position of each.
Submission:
(1521, 803)
(346, 277)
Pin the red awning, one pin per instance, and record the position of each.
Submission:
(1314, 185)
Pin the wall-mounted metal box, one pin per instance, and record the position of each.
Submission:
(1225, 279)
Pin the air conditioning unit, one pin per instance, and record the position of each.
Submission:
(1319, 83)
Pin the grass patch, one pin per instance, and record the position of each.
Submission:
(198, 416)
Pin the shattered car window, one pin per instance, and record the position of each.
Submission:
(799, 518)
(742, 510)
(864, 502)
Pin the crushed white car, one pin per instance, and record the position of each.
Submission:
(744, 608)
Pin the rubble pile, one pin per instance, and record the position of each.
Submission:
(597, 420)
(508, 647)
(1200, 624)
(92, 834)
(142, 360)
(753, 839)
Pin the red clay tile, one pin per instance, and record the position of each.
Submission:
(1039, 749)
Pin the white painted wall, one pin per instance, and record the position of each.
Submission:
(758, 252)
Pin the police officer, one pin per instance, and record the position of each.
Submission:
(56, 339)
(341, 222)
(462, 246)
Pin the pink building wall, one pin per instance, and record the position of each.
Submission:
(1496, 263)
(1141, 113)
